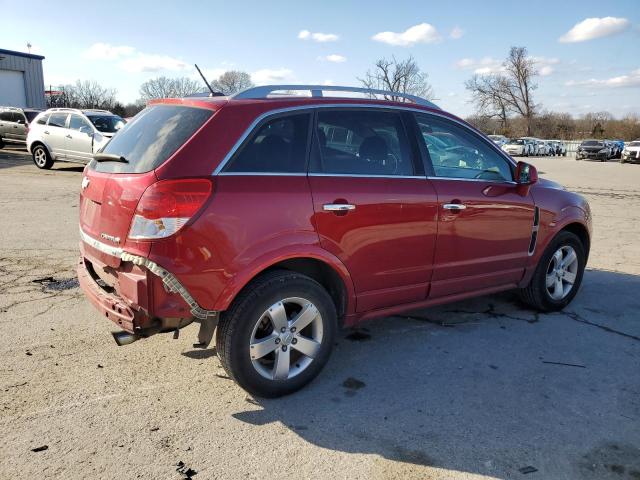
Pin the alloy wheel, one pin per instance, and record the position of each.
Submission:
(40, 157)
(286, 338)
(562, 272)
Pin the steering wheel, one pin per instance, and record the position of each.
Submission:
(391, 158)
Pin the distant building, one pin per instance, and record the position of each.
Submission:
(21, 80)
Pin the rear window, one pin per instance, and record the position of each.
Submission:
(152, 137)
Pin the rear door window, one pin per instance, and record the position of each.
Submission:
(152, 137)
(362, 142)
(58, 120)
(6, 117)
(277, 146)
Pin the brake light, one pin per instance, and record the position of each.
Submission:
(167, 205)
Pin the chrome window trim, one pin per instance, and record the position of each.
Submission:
(278, 111)
(362, 175)
(501, 182)
(262, 174)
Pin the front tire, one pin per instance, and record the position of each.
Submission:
(558, 275)
(41, 157)
(278, 334)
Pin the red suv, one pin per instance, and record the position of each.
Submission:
(273, 220)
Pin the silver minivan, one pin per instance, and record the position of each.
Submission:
(70, 135)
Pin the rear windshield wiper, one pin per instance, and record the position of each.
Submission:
(109, 157)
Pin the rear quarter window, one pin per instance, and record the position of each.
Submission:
(152, 137)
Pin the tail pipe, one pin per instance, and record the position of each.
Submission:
(124, 338)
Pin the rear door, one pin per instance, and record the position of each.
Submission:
(374, 208)
(20, 127)
(6, 125)
(55, 132)
(485, 223)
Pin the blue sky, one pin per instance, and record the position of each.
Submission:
(588, 65)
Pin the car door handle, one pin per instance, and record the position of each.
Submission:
(338, 207)
(69, 136)
(46, 132)
(454, 206)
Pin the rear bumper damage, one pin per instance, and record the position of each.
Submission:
(128, 297)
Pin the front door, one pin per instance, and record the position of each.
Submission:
(55, 132)
(374, 209)
(485, 222)
(79, 139)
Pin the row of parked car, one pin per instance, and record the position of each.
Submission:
(58, 133)
(602, 150)
(530, 146)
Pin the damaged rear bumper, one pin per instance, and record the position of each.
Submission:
(129, 301)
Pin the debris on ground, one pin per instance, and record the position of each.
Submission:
(564, 364)
(358, 335)
(353, 383)
(51, 284)
(185, 471)
(528, 469)
(40, 449)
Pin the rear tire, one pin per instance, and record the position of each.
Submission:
(550, 289)
(263, 319)
(41, 157)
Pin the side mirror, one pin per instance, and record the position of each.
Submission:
(526, 174)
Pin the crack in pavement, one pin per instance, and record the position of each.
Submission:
(578, 318)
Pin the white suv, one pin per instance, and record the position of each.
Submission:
(70, 135)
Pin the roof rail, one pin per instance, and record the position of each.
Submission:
(95, 110)
(316, 91)
(64, 109)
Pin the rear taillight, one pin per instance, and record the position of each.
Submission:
(167, 205)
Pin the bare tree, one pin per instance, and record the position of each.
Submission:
(398, 76)
(232, 82)
(83, 94)
(488, 98)
(165, 87)
(518, 83)
(507, 92)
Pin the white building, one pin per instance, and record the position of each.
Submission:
(21, 80)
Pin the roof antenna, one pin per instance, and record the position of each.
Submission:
(213, 94)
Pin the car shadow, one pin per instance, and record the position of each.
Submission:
(484, 386)
(15, 157)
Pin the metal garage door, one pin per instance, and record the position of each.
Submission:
(12, 89)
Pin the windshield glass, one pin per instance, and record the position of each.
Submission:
(106, 123)
(516, 142)
(591, 143)
(151, 137)
(634, 144)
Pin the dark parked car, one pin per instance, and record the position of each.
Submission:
(14, 124)
(274, 220)
(593, 149)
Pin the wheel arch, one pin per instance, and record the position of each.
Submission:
(322, 267)
(580, 231)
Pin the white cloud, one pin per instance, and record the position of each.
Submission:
(545, 65)
(456, 33)
(142, 62)
(106, 51)
(317, 36)
(335, 58)
(483, 66)
(591, 28)
(266, 75)
(630, 80)
(133, 60)
(421, 33)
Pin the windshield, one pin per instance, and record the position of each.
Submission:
(151, 137)
(107, 123)
(591, 143)
(516, 142)
(634, 144)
